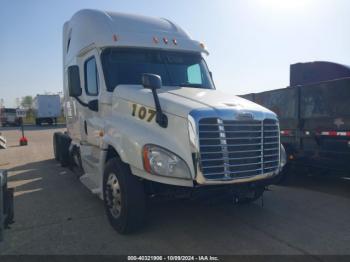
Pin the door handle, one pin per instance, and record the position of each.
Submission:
(85, 127)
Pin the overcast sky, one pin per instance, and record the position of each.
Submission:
(251, 43)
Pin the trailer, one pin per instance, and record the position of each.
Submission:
(314, 116)
(47, 108)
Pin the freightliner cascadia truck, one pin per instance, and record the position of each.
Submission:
(144, 118)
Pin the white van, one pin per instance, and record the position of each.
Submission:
(144, 118)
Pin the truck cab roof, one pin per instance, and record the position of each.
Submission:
(94, 28)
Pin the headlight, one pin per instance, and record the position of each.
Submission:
(159, 161)
(283, 160)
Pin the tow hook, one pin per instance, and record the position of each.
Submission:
(249, 197)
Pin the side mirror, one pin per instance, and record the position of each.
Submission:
(154, 82)
(151, 81)
(74, 87)
(93, 105)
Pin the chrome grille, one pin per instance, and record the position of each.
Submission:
(232, 149)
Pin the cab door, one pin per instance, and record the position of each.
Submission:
(91, 121)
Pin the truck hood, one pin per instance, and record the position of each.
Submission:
(182, 100)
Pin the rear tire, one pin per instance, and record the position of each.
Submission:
(63, 141)
(75, 161)
(8, 207)
(124, 197)
(56, 149)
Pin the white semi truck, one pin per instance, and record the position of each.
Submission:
(47, 108)
(145, 119)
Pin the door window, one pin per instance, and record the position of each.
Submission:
(91, 77)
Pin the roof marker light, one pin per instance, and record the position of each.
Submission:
(165, 40)
(155, 40)
(115, 38)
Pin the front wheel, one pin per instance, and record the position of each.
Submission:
(124, 197)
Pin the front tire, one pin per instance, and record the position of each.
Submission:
(124, 197)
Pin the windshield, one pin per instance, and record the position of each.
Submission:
(10, 110)
(126, 66)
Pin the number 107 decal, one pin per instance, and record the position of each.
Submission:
(143, 113)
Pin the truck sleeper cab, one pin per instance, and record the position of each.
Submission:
(145, 119)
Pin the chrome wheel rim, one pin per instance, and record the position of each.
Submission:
(113, 195)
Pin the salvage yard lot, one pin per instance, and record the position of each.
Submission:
(55, 214)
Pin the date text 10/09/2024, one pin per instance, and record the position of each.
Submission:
(173, 258)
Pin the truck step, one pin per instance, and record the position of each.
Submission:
(90, 184)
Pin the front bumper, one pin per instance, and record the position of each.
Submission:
(200, 179)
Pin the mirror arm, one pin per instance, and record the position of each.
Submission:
(81, 102)
(161, 118)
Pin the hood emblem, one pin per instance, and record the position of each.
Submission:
(245, 116)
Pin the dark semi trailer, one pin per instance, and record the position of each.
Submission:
(314, 114)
